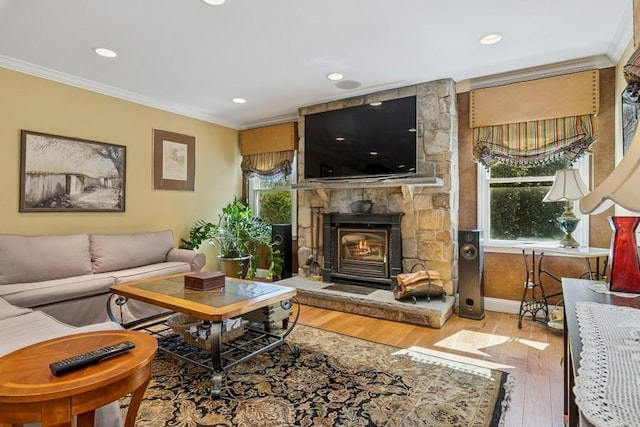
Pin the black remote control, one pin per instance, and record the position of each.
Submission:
(85, 359)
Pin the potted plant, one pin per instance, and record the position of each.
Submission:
(236, 235)
(198, 233)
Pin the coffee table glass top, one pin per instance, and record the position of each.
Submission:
(232, 292)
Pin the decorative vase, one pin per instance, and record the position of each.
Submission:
(624, 266)
(235, 267)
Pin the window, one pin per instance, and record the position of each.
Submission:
(274, 200)
(510, 206)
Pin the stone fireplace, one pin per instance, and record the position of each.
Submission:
(363, 249)
(426, 205)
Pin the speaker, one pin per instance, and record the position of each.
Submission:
(282, 239)
(470, 274)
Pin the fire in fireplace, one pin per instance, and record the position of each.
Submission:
(363, 252)
(362, 249)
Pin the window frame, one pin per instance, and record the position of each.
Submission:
(252, 199)
(581, 233)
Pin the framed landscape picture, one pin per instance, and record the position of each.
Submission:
(174, 161)
(63, 174)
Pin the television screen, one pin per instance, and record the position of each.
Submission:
(377, 139)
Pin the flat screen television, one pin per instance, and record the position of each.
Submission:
(378, 139)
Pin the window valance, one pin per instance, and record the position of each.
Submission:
(269, 139)
(534, 142)
(269, 166)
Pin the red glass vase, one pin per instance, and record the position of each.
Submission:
(624, 266)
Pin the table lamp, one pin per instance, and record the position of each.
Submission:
(621, 187)
(567, 187)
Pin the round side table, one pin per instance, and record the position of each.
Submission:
(29, 392)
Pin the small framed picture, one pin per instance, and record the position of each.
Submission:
(174, 161)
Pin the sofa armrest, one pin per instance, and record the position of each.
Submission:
(196, 260)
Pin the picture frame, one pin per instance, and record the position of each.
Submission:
(630, 113)
(65, 174)
(174, 161)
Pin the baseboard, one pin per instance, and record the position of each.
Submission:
(497, 304)
(502, 305)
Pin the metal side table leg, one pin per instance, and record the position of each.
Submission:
(216, 359)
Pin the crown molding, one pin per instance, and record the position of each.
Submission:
(544, 71)
(269, 121)
(67, 79)
(623, 35)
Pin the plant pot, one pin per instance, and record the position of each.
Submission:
(234, 267)
(263, 252)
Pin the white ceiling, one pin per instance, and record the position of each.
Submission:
(191, 58)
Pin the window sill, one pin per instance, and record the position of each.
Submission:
(509, 248)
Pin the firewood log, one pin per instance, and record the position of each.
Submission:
(421, 288)
(408, 278)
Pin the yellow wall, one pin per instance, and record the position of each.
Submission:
(40, 105)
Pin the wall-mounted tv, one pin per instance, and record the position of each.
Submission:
(377, 139)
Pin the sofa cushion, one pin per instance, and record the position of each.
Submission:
(150, 271)
(7, 310)
(38, 326)
(38, 258)
(50, 291)
(111, 252)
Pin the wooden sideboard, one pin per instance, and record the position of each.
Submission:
(577, 290)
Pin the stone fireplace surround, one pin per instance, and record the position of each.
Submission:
(428, 202)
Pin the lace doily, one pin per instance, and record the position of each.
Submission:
(603, 288)
(607, 385)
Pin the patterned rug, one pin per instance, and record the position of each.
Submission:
(335, 380)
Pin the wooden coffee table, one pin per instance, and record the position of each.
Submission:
(236, 298)
(30, 393)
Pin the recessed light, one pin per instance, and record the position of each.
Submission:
(335, 76)
(412, 130)
(373, 153)
(107, 53)
(215, 2)
(340, 138)
(375, 104)
(239, 100)
(490, 38)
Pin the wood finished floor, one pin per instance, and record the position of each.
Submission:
(532, 354)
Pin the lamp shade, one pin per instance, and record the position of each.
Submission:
(567, 185)
(621, 187)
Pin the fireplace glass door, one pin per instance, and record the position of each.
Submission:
(363, 252)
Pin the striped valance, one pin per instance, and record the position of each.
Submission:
(269, 166)
(535, 142)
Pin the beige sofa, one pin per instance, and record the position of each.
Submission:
(68, 276)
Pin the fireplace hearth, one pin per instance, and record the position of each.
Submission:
(362, 249)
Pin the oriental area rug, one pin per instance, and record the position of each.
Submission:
(334, 380)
